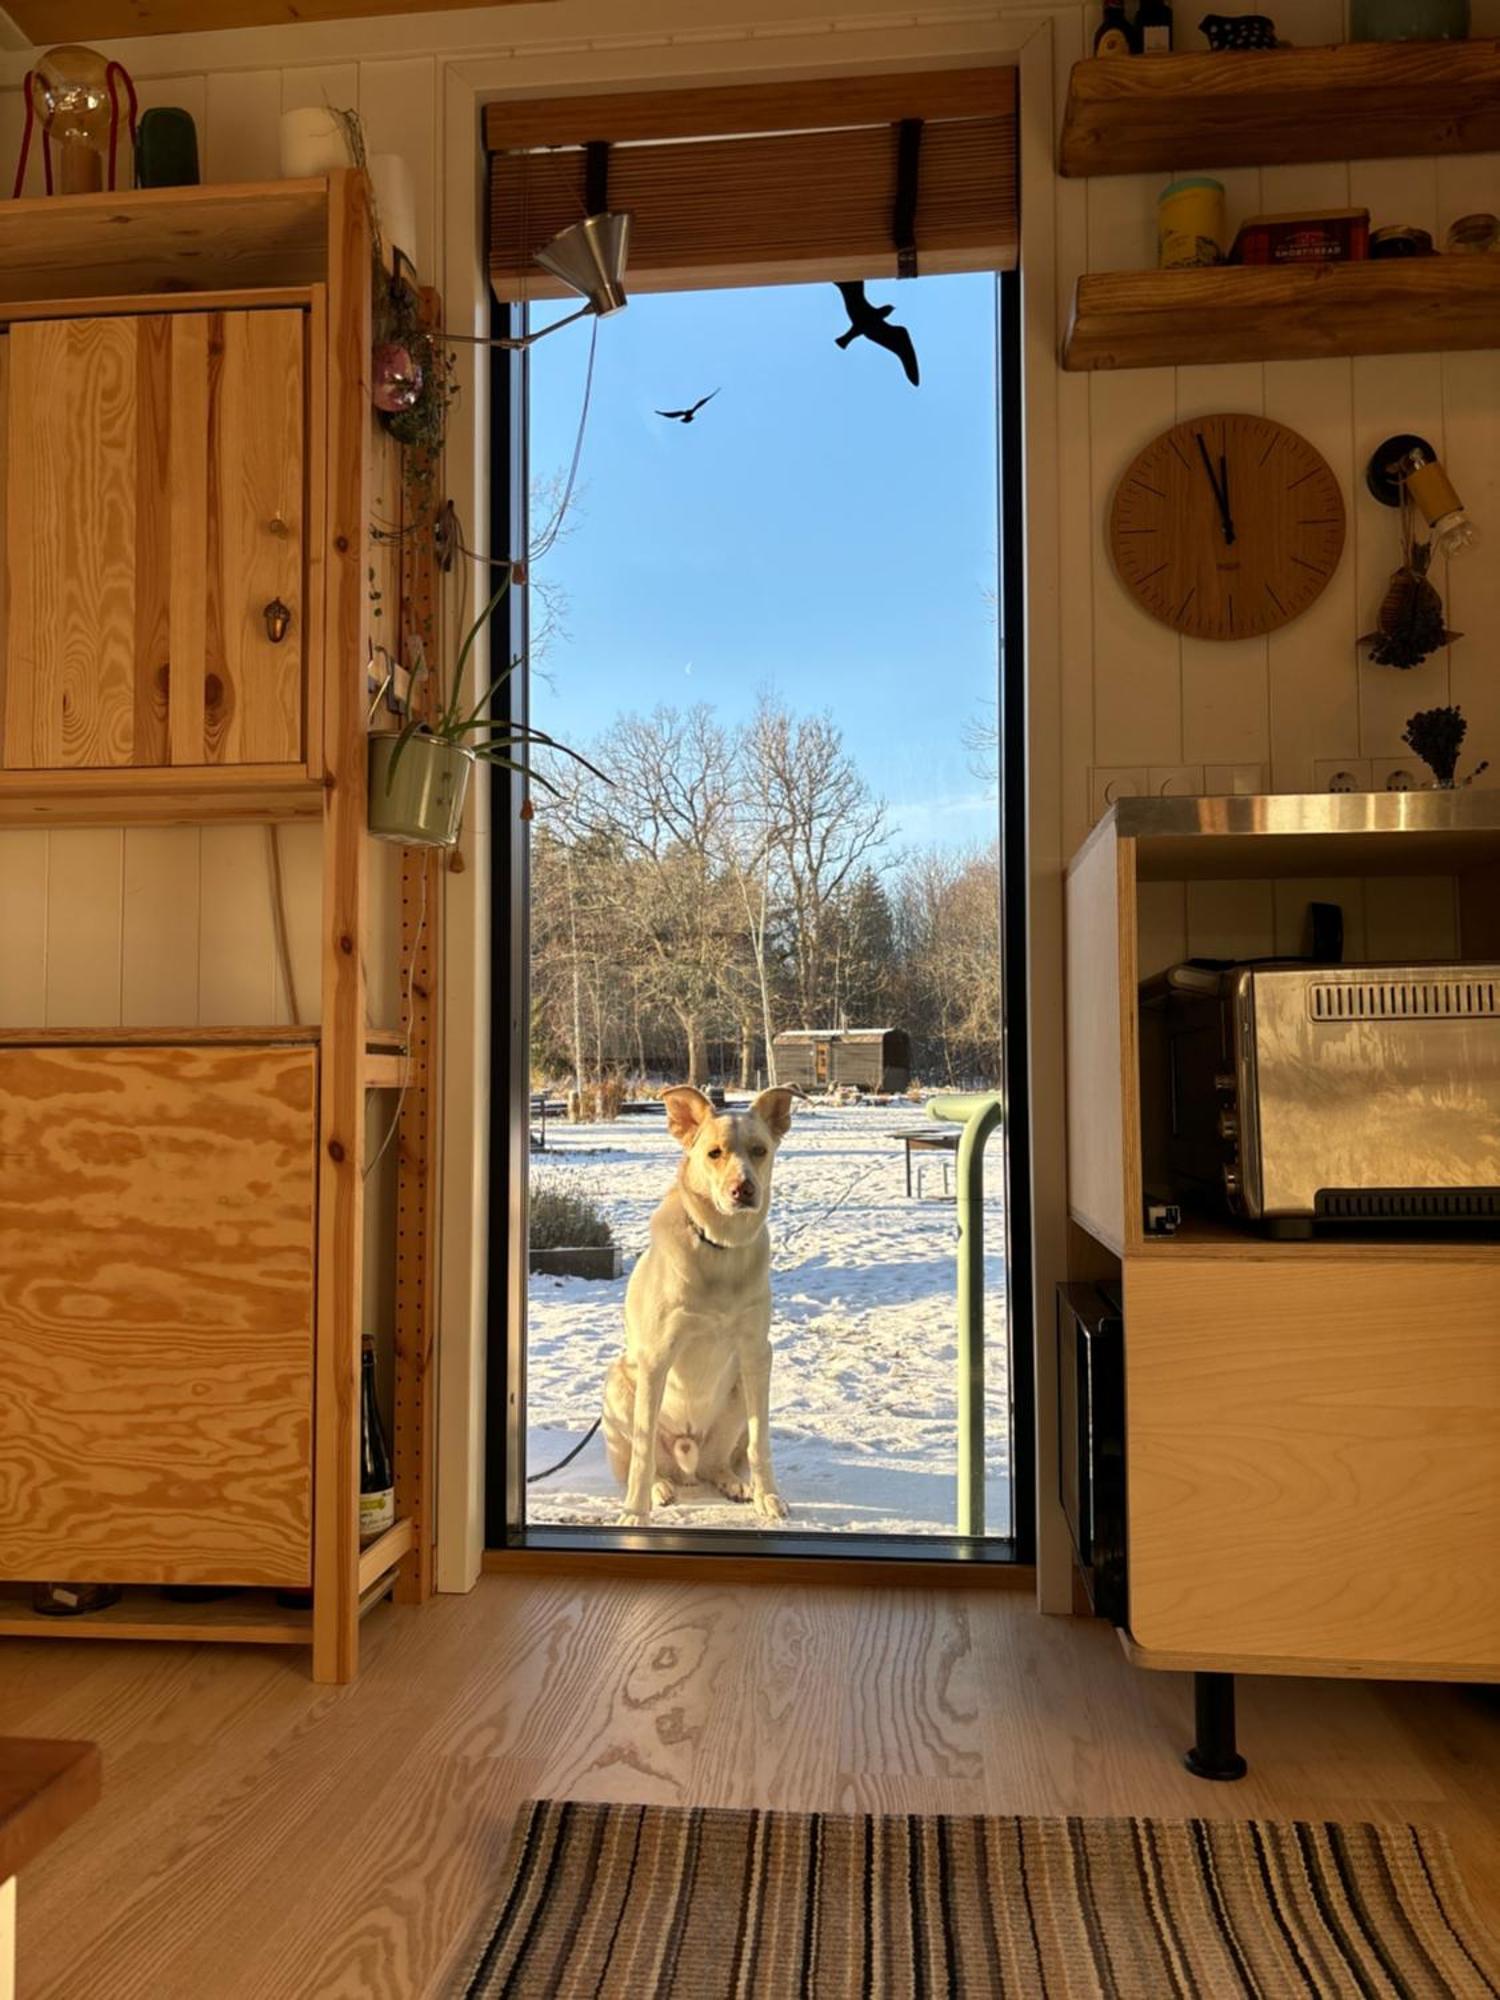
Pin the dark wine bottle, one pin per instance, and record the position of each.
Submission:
(1114, 35)
(1153, 27)
(377, 1485)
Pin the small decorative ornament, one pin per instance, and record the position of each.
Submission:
(396, 381)
(1410, 622)
(1437, 735)
(1239, 31)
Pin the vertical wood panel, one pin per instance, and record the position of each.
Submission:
(333, 84)
(256, 482)
(1396, 392)
(301, 861)
(1225, 694)
(240, 139)
(71, 525)
(190, 518)
(1137, 667)
(23, 927)
(83, 928)
(398, 106)
(1313, 676)
(236, 980)
(159, 927)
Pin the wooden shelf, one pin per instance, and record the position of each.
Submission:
(1362, 100)
(1201, 1236)
(267, 233)
(1167, 319)
(387, 1063)
(382, 1556)
(248, 1618)
(168, 796)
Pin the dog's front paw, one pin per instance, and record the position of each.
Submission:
(663, 1493)
(770, 1506)
(734, 1489)
(629, 1520)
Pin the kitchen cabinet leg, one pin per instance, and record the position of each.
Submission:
(1214, 1753)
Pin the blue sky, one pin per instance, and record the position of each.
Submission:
(822, 530)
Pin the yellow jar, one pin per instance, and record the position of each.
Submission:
(1190, 224)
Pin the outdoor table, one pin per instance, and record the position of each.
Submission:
(925, 1140)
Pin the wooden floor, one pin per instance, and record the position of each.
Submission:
(265, 1838)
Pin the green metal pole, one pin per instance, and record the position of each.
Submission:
(979, 1115)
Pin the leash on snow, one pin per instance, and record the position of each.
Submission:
(533, 1477)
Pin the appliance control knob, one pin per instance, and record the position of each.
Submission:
(1229, 1125)
(1224, 1082)
(1232, 1185)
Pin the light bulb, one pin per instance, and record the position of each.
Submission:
(72, 95)
(1453, 533)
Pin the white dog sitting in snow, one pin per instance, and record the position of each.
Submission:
(690, 1398)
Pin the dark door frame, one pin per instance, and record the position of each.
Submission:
(510, 1036)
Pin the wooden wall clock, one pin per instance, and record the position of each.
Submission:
(1226, 527)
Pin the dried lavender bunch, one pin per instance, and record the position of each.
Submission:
(1437, 736)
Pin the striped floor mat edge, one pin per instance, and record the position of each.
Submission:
(664, 1904)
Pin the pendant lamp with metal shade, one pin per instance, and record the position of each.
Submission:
(589, 256)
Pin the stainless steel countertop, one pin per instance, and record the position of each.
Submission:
(1465, 811)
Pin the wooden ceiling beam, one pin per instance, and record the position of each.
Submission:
(48, 22)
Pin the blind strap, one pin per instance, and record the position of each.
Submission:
(596, 176)
(904, 218)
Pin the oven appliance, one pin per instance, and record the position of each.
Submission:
(1297, 1095)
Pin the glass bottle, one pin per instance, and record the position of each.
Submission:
(1114, 35)
(1153, 27)
(377, 1485)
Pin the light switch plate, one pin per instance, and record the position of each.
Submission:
(1111, 782)
(1242, 780)
(1342, 774)
(1175, 781)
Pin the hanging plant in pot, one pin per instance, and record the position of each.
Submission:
(419, 777)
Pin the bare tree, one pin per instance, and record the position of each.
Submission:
(821, 822)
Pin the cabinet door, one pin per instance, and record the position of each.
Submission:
(156, 1313)
(155, 501)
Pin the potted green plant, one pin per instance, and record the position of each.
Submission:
(419, 776)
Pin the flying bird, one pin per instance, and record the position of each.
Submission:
(867, 322)
(687, 416)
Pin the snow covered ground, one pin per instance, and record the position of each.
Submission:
(863, 1390)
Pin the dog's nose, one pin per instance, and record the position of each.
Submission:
(742, 1194)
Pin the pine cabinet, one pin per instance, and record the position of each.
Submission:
(156, 501)
(158, 1215)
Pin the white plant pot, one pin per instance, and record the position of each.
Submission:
(421, 803)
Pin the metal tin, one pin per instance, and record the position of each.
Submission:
(1190, 225)
(1470, 235)
(1400, 239)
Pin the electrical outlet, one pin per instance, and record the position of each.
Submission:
(1396, 774)
(1108, 783)
(1175, 781)
(1241, 780)
(1342, 774)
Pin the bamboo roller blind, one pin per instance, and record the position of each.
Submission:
(762, 184)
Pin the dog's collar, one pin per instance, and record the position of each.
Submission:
(704, 1237)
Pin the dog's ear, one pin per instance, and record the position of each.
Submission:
(686, 1110)
(774, 1108)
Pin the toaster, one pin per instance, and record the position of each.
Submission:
(1296, 1094)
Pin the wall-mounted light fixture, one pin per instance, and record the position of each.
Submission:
(1406, 467)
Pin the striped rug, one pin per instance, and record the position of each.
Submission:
(653, 1904)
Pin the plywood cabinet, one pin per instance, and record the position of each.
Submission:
(157, 1240)
(156, 485)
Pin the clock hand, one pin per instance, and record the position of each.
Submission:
(1224, 500)
(1218, 492)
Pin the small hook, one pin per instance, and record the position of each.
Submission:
(278, 618)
